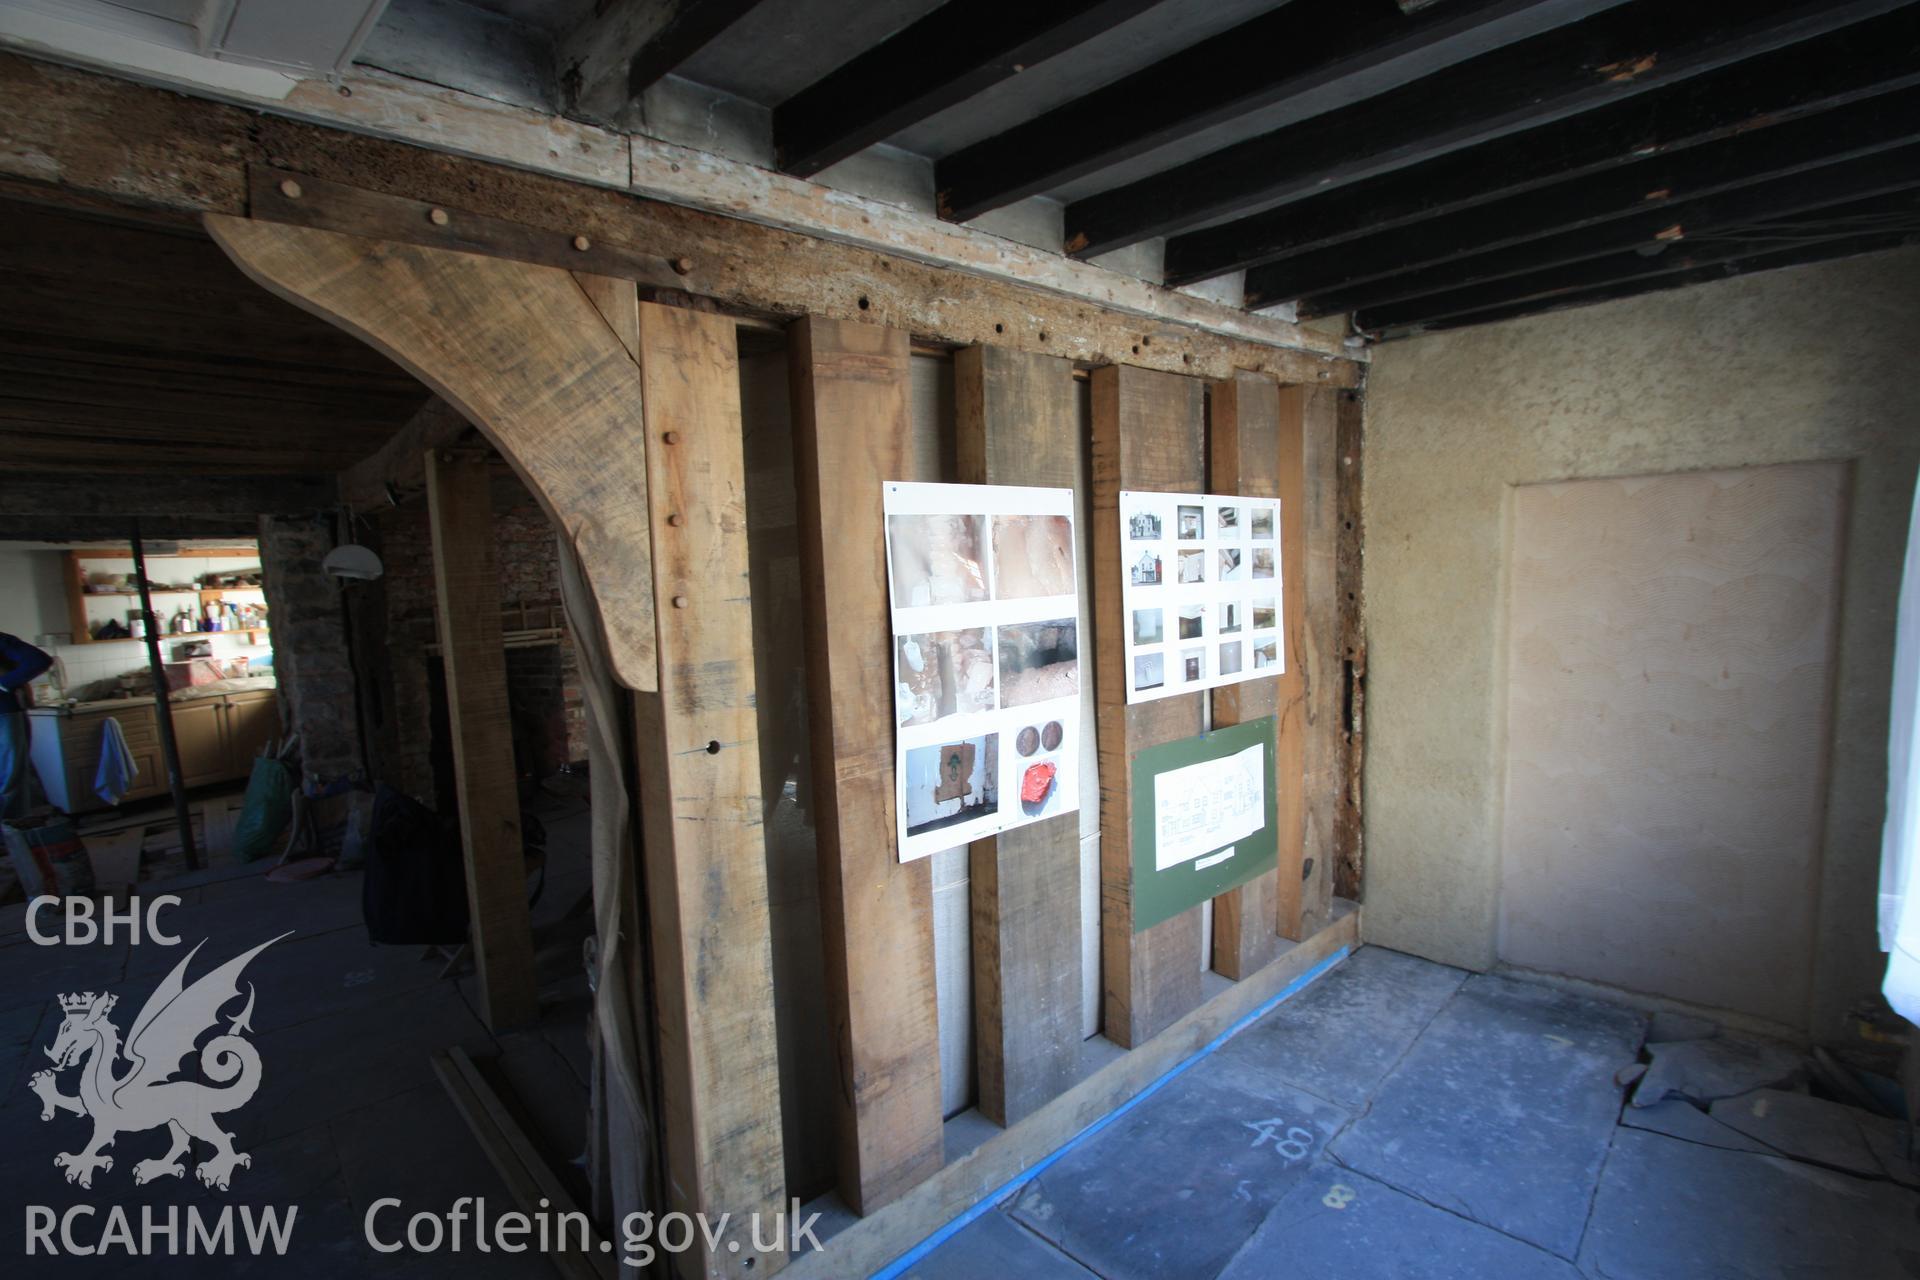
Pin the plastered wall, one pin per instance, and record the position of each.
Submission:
(1792, 366)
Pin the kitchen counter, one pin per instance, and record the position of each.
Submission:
(244, 684)
(219, 727)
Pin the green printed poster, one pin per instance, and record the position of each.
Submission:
(1203, 818)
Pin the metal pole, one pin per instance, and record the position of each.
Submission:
(163, 707)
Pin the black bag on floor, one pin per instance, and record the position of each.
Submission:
(415, 890)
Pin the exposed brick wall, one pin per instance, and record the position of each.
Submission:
(529, 575)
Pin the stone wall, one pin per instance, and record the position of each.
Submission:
(310, 654)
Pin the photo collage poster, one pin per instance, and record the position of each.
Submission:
(1200, 585)
(985, 603)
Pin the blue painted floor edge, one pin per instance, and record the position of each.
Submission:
(981, 1206)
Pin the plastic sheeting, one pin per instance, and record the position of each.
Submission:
(1899, 904)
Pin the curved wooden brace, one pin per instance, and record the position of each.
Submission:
(523, 354)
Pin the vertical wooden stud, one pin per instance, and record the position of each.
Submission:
(699, 760)
(466, 583)
(852, 419)
(1148, 434)
(1245, 449)
(1017, 422)
(1325, 669)
(1290, 690)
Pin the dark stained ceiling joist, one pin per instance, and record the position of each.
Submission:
(943, 59)
(623, 47)
(1300, 47)
(1658, 182)
(1850, 66)
(1585, 65)
(1815, 198)
(1631, 276)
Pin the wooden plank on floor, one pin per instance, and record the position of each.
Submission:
(466, 578)
(1325, 667)
(1148, 434)
(852, 421)
(535, 1188)
(1244, 457)
(1017, 422)
(700, 805)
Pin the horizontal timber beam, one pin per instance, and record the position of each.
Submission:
(1853, 65)
(945, 58)
(107, 528)
(1285, 54)
(1802, 147)
(1579, 67)
(1890, 214)
(30, 493)
(1725, 214)
(92, 137)
(1801, 255)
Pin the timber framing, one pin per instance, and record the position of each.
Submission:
(115, 497)
(79, 138)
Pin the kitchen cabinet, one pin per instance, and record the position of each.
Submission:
(218, 737)
(199, 730)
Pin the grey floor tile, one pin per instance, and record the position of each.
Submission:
(1669, 1210)
(1173, 1188)
(1723, 1066)
(1502, 1109)
(350, 1060)
(1683, 1120)
(1338, 1225)
(1804, 1127)
(995, 1246)
(1340, 1036)
(442, 1163)
(1888, 1139)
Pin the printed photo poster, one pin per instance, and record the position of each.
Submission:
(1200, 588)
(985, 601)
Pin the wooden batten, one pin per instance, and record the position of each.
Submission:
(466, 581)
(1017, 422)
(1148, 434)
(700, 806)
(852, 420)
(1246, 443)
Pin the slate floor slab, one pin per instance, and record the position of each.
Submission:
(1338, 1225)
(996, 1247)
(1338, 1038)
(1173, 1188)
(1502, 1110)
(1671, 1210)
(1801, 1126)
(1683, 1120)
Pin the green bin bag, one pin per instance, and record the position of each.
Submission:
(265, 812)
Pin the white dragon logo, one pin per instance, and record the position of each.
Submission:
(143, 1096)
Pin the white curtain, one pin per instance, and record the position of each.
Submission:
(1900, 843)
